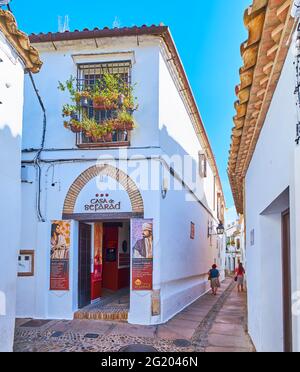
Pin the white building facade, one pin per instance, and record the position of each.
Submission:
(263, 169)
(235, 250)
(108, 204)
(14, 59)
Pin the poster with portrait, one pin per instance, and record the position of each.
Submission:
(59, 255)
(142, 254)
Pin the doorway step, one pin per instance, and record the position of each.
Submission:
(113, 306)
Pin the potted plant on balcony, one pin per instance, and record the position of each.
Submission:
(105, 101)
(106, 92)
(89, 126)
(71, 111)
(108, 131)
(129, 101)
(74, 125)
(124, 121)
(83, 98)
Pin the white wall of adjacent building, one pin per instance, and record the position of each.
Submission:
(163, 128)
(295, 258)
(270, 190)
(11, 110)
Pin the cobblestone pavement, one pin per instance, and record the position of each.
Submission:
(209, 324)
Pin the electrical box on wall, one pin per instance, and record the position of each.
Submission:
(26, 174)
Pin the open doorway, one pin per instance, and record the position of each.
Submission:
(104, 268)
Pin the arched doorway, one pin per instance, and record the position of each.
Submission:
(104, 239)
(103, 170)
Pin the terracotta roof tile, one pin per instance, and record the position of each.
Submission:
(269, 24)
(20, 41)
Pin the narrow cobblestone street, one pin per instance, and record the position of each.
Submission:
(211, 324)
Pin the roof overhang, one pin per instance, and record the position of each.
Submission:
(19, 41)
(270, 26)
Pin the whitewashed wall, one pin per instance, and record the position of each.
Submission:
(11, 98)
(269, 175)
(184, 262)
(295, 243)
(159, 132)
(59, 66)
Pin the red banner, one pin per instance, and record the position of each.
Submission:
(59, 277)
(142, 262)
(142, 274)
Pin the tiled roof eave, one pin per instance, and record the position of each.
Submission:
(270, 25)
(19, 41)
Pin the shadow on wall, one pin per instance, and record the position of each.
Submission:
(10, 200)
(10, 153)
(173, 149)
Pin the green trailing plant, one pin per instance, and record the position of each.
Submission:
(71, 86)
(74, 125)
(109, 93)
(89, 126)
(124, 121)
(130, 101)
(69, 110)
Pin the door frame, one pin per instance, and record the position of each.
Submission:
(286, 282)
(79, 289)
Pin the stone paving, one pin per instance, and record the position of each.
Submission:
(114, 306)
(211, 324)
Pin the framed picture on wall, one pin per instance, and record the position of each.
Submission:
(26, 263)
(192, 231)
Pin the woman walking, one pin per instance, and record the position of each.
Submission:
(213, 276)
(240, 277)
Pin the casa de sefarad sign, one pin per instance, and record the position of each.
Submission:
(102, 202)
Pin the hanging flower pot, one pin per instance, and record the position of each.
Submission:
(103, 103)
(74, 125)
(75, 128)
(108, 137)
(124, 121)
(97, 139)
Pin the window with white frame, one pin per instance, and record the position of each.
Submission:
(202, 165)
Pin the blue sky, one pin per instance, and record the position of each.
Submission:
(208, 34)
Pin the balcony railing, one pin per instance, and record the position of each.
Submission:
(118, 138)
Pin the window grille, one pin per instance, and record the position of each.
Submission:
(90, 74)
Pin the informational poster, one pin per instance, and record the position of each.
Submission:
(96, 277)
(142, 255)
(59, 261)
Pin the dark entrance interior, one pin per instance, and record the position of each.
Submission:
(108, 246)
(84, 265)
(115, 274)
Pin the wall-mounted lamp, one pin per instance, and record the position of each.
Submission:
(220, 229)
